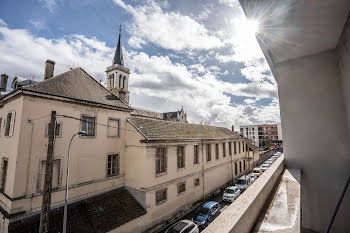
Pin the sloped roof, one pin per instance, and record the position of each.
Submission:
(79, 85)
(101, 213)
(153, 129)
(146, 113)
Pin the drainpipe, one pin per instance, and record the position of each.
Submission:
(231, 167)
(29, 162)
(203, 169)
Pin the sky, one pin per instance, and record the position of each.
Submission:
(200, 55)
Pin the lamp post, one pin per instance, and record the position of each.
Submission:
(67, 176)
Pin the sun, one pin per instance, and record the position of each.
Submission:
(252, 26)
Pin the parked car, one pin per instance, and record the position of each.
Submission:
(253, 177)
(183, 226)
(264, 167)
(257, 171)
(269, 162)
(206, 213)
(231, 193)
(243, 183)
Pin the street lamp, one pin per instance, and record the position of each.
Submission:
(67, 176)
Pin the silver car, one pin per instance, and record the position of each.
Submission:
(183, 226)
(231, 193)
(264, 167)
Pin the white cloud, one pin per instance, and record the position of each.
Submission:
(230, 3)
(37, 24)
(166, 85)
(25, 54)
(2, 23)
(170, 30)
(172, 85)
(49, 4)
(136, 42)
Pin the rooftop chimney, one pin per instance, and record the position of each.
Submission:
(49, 67)
(233, 128)
(3, 82)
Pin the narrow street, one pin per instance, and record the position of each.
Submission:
(217, 198)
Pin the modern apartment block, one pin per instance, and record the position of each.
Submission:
(127, 174)
(261, 133)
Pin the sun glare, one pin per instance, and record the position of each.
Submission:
(252, 26)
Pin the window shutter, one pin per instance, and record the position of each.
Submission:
(12, 123)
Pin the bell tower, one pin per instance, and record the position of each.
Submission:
(118, 74)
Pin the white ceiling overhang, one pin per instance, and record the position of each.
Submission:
(291, 29)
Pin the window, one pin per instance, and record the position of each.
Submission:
(10, 123)
(0, 125)
(235, 169)
(3, 173)
(234, 148)
(195, 155)
(161, 196)
(224, 149)
(244, 165)
(58, 129)
(243, 146)
(113, 127)
(239, 147)
(113, 165)
(196, 182)
(240, 166)
(216, 151)
(124, 82)
(230, 148)
(55, 177)
(120, 81)
(208, 152)
(180, 157)
(111, 80)
(161, 160)
(88, 125)
(181, 187)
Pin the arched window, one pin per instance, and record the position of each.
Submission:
(124, 82)
(120, 81)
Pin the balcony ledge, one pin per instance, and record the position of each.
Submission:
(254, 210)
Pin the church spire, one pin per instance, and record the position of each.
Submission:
(118, 56)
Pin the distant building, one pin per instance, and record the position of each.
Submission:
(179, 116)
(260, 133)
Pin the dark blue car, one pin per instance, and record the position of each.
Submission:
(206, 213)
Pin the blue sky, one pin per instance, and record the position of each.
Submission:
(195, 54)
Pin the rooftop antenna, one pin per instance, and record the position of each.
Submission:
(120, 28)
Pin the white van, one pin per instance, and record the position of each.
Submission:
(243, 183)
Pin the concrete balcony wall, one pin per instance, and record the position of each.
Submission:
(243, 213)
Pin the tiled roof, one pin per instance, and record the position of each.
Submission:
(98, 214)
(79, 85)
(154, 129)
(146, 113)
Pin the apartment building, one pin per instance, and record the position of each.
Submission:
(260, 133)
(127, 174)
